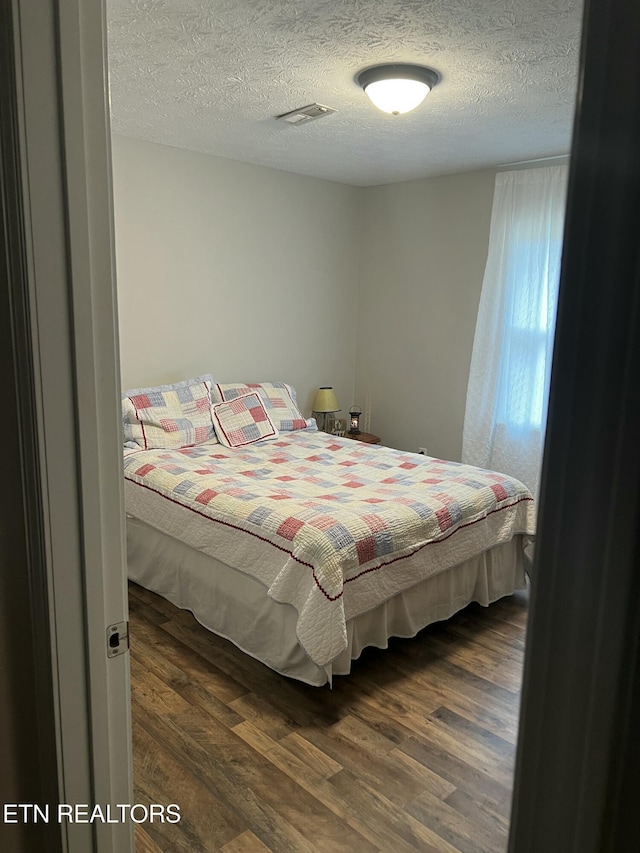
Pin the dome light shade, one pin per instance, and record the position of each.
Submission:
(397, 96)
(397, 89)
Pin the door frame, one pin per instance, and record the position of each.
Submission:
(578, 760)
(56, 192)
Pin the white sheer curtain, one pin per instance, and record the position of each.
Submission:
(506, 410)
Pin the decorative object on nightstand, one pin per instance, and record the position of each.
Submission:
(354, 414)
(366, 437)
(336, 426)
(326, 404)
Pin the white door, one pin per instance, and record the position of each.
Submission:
(62, 128)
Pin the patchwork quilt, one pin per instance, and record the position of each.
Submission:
(330, 526)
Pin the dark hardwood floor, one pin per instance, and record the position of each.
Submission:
(412, 752)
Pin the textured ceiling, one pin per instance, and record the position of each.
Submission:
(210, 75)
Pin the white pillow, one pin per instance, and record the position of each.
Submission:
(166, 417)
(279, 400)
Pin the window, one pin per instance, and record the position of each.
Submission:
(510, 371)
(530, 316)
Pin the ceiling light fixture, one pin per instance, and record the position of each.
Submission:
(397, 88)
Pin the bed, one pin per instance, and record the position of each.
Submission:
(303, 548)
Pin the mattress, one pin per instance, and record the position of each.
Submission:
(328, 527)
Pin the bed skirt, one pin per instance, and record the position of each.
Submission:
(236, 606)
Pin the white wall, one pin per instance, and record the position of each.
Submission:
(242, 271)
(424, 252)
(252, 273)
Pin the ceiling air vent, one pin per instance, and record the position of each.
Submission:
(305, 114)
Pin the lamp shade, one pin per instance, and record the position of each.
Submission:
(326, 400)
(397, 89)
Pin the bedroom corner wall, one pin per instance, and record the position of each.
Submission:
(242, 271)
(424, 253)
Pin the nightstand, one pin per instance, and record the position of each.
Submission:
(367, 437)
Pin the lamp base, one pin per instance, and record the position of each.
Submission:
(326, 417)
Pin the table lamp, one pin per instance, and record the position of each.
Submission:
(326, 403)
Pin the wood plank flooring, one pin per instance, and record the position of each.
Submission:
(413, 751)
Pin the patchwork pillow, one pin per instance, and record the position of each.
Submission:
(278, 398)
(242, 421)
(168, 417)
